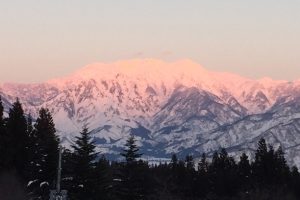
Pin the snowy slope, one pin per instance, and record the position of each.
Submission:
(172, 107)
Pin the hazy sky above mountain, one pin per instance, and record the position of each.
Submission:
(40, 40)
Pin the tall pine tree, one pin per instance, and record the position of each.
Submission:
(130, 185)
(130, 153)
(282, 169)
(244, 172)
(264, 163)
(44, 154)
(83, 167)
(223, 174)
(18, 141)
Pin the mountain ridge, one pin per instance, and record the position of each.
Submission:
(182, 108)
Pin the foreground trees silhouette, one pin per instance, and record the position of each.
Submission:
(131, 175)
(16, 128)
(82, 167)
(44, 154)
(28, 160)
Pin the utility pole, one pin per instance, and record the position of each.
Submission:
(59, 171)
(58, 194)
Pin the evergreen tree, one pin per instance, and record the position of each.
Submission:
(260, 166)
(33, 154)
(244, 167)
(282, 169)
(130, 153)
(202, 181)
(103, 179)
(223, 174)
(130, 185)
(18, 141)
(83, 161)
(44, 155)
(261, 151)
(244, 172)
(189, 163)
(294, 182)
(67, 170)
(33, 169)
(174, 161)
(267, 165)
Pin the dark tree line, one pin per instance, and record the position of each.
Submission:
(28, 153)
(28, 165)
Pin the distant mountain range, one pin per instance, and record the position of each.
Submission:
(177, 107)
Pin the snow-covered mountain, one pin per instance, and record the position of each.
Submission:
(177, 107)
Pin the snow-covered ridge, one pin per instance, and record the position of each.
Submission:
(170, 106)
(184, 72)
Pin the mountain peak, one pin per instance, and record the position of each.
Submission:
(152, 69)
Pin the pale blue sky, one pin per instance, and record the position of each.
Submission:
(44, 39)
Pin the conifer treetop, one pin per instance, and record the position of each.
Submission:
(130, 153)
